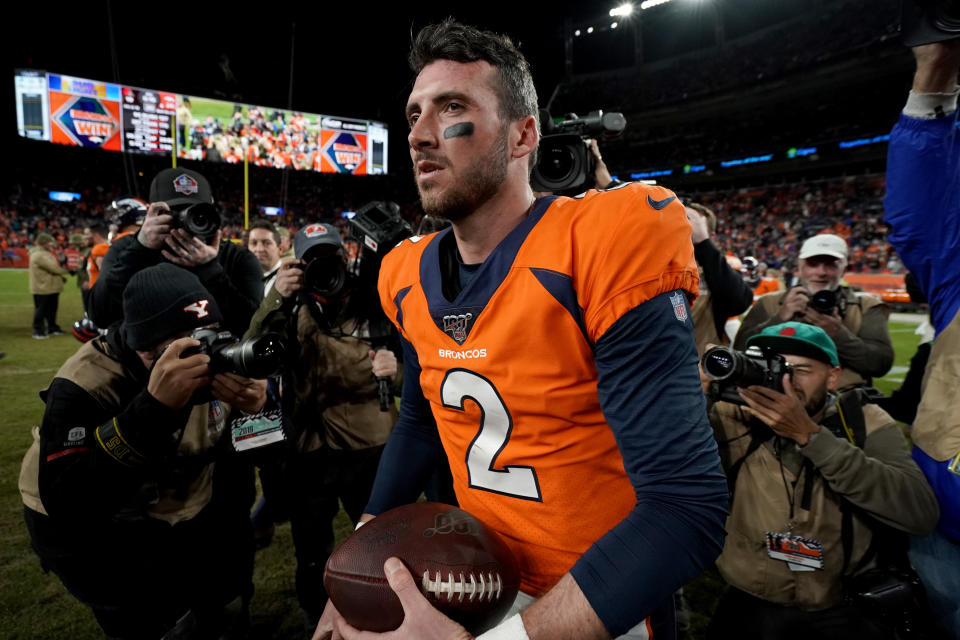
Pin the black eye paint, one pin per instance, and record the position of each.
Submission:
(458, 130)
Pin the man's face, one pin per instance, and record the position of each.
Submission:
(458, 143)
(87, 237)
(811, 379)
(821, 272)
(264, 246)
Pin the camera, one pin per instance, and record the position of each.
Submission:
(380, 226)
(201, 220)
(324, 274)
(257, 357)
(730, 369)
(826, 300)
(928, 21)
(565, 163)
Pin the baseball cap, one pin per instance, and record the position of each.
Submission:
(798, 339)
(162, 301)
(180, 187)
(314, 235)
(825, 244)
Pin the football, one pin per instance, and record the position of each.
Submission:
(464, 569)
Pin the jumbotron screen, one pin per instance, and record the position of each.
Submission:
(89, 113)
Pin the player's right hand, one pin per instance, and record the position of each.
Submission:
(326, 630)
(173, 379)
(289, 278)
(794, 303)
(156, 226)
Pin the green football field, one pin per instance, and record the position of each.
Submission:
(36, 606)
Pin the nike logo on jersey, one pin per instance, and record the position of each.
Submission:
(660, 204)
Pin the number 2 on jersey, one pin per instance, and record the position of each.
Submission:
(518, 481)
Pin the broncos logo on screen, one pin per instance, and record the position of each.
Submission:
(347, 152)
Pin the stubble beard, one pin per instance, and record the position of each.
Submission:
(480, 182)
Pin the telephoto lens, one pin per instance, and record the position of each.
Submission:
(256, 357)
(201, 220)
(723, 364)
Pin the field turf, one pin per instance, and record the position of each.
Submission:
(36, 606)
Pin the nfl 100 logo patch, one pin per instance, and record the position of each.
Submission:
(457, 326)
(679, 303)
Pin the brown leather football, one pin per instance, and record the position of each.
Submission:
(464, 569)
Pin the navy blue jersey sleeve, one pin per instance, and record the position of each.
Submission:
(413, 449)
(650, 393)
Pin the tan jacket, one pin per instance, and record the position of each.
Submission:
(103, 378)
(337, 404)
(881, 479)
(704, 327)
(936, 429)
(863, 345)
(46, 274)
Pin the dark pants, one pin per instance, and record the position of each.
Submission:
(742, 616)
(314, 483)
(45, 313)
(143, 579)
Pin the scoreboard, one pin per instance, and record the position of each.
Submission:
(88, 113)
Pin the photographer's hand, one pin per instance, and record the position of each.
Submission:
(290, 278)
(601, 175)
(156, 226)
(245, 394)
(782, 412)
(698, 223)
(831, 323)
(384, 363)
(188, 251)
(794, 303)
(174, 379)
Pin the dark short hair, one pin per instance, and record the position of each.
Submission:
(265, 224)
(450, 40)
(99, 229)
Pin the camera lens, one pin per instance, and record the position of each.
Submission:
(325, 275)
(556, 164)
(201, 220)
(718, 363)
(725, 364)
(257, 357)
(824, 301)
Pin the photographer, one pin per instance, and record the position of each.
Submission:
(723, 293)
(330, 395)
(181, 227)
(856, 323)
(923, 211)
(128, 497)
(812, 475)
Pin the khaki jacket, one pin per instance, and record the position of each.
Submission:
(880, 479)
(863, 345)
(337, 404)
(105, 379)
(704, 327)
(936, 429)
(46, 274)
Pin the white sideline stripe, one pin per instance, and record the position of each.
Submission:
(20, 371)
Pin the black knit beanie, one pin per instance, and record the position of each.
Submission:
(162, 301)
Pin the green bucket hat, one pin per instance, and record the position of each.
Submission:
(43, 238)
(798, 339)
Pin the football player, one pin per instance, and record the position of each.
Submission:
(549, 355)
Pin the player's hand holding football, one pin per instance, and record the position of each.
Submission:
(156, 226)
(421, 620)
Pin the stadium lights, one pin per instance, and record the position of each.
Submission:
(589, 29)
(614, 25)
(646, 4)
(623, 10)
(577, 33)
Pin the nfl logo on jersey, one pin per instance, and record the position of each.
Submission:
(679, 306)
(456, 326)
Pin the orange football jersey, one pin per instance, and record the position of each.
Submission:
(508, 369)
